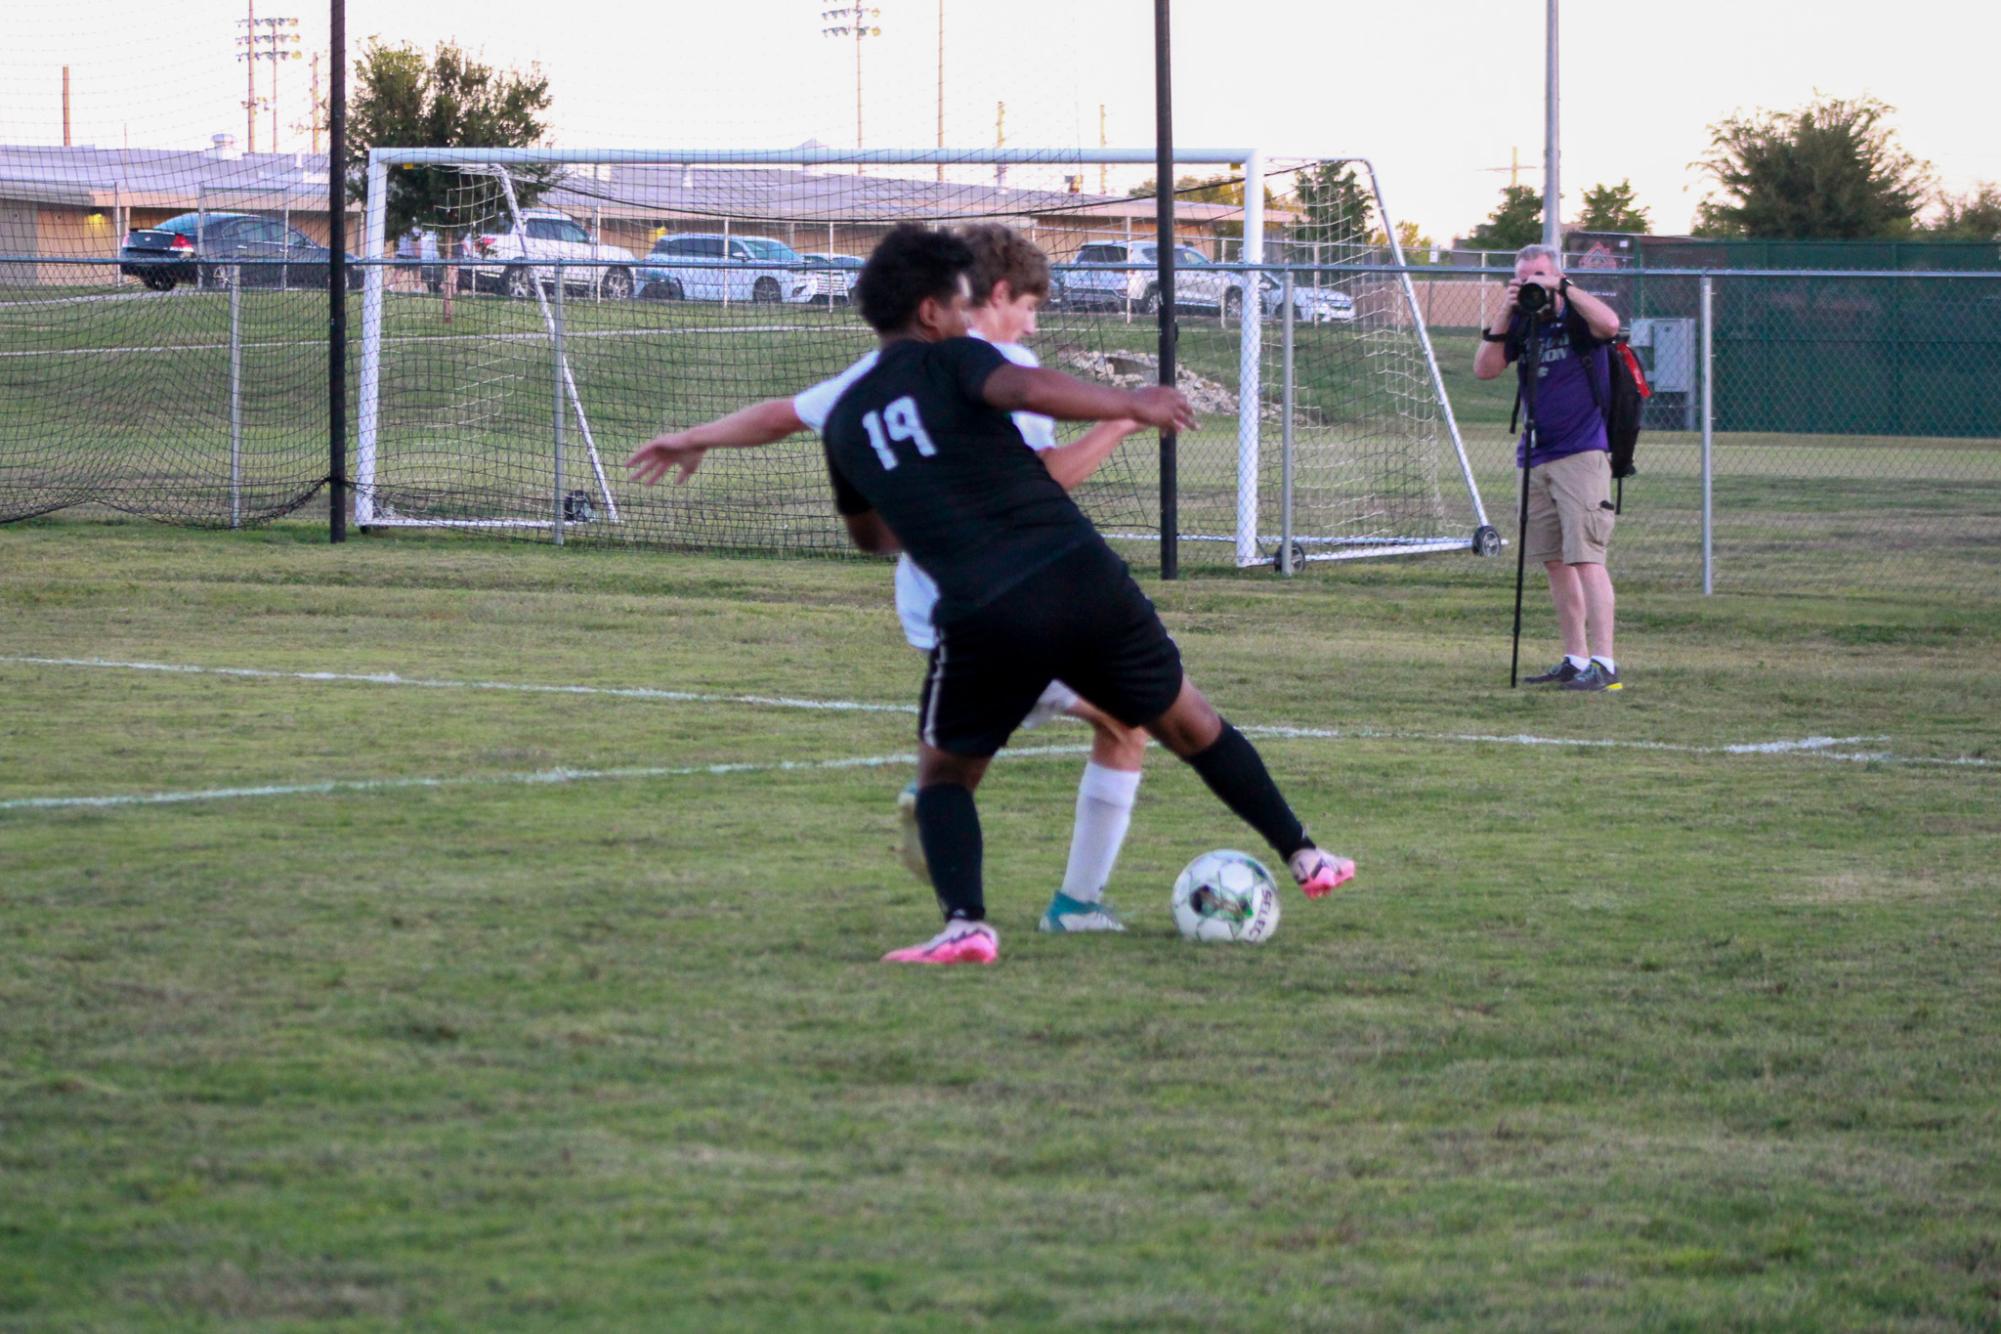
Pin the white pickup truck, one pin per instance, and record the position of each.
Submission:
(503, 258)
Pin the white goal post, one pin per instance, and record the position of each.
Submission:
(1393, 308)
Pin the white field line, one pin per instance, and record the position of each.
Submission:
(1822, 747)
(425, 683)
(538, 777)
(568, 336)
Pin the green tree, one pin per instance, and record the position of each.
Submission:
(403, 100)
(1515, 222)
(1832, 170)
(1416, 245)
(1612, 208)
(1333, 204)
(1975, 216)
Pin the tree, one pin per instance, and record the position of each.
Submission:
(1515, 222)
(1416, 246)
(401, 100)
(1333, 204)
(1975, 216)
(1612, 208)
(1831, 170)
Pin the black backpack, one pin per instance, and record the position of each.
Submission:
(1622, 412)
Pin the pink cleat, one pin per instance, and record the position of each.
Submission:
(959, 942)
(1320, 873)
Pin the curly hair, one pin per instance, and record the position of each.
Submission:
(1002, 254)
(911, 263)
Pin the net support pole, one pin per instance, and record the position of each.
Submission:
(1285, 445)
(1163, 226)
(337, 276)
(556, 435)
(1424, 344)
(236, 397)
(1708, 438)
(1250, 351)
(371, 343)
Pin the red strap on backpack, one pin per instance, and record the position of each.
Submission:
(1633, 364)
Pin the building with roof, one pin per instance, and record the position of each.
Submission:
(79, 203)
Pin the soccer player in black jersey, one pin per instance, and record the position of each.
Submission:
(924, 457)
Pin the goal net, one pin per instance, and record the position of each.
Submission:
(546, 311)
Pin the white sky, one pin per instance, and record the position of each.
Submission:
(1436, 94)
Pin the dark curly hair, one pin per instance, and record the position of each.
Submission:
(911, 263)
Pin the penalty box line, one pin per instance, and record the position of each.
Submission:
(1821, 747)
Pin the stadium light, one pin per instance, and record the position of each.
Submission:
(272, 39)
(852, 21)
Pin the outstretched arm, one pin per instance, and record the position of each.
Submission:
(1074, 463)
(759, 424)
(1014, 388)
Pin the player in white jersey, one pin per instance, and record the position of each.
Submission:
(1009, 282)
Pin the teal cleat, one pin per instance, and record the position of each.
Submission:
(1066, 914)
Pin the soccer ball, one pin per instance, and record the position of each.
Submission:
(1226, 895)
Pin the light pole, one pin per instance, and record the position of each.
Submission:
(272, 39)
(852, 21)
(1552, 194)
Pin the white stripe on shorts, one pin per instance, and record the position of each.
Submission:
(929, 731)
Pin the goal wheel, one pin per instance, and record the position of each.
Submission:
(1486, 540)
(1298, 558)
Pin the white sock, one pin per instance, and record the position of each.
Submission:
(1608, 665)
(1104, 812)
(1579, 663)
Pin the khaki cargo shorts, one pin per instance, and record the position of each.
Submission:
(1570, 509)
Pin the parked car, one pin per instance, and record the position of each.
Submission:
(845, 269)
(1310, 304)
(503, 258)
(1198, 283)
(208, 248)
(710, 266)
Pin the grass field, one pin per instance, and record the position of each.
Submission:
(527, 977)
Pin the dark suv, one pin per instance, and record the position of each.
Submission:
(209, 247)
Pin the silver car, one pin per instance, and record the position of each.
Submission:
(1198, 283)
(712, 266)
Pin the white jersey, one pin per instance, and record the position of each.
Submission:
(916, 595)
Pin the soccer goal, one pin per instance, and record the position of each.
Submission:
(551, 309)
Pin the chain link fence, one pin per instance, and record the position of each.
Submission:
(1811, 432)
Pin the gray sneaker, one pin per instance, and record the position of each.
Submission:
(1597, 676)
(1562, 674)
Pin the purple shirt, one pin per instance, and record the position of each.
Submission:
(1568, 419)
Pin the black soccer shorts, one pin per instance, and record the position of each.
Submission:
(1081, 620)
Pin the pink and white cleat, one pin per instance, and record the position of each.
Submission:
(1319, 873)
(959, 942)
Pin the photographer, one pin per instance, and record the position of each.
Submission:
(1569, 480)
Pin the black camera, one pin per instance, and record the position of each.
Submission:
(1533, 299)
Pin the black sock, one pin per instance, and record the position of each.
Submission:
(949, 826)
(1232, 769)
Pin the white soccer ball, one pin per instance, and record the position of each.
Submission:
(1226, 895)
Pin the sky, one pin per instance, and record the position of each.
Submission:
(1440, 96)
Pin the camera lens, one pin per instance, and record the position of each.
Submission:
(1532, 297)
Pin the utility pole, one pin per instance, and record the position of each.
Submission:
(1552, 195)
(316, 107)
(66, 104)
(272, 39)
(941, 86)
(852, 21)
(1000, 141)
(1104, 187)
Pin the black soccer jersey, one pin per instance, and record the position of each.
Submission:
(974, 506)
